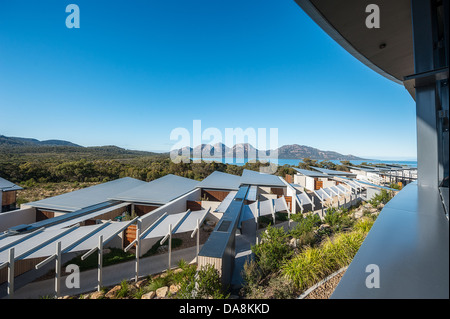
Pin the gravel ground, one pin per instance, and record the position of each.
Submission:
(325, 290)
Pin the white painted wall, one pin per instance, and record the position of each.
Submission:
(212, 206)
(300, 180)
(309, 183)
(327, 182)
(17, 217)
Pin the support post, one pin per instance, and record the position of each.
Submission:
(257, 215)
(198, 238)
(424, 61)
(11, 273)
(58, 269)
(138, 250)
(170, 247)
(100, 263)
(273, 211)
(289, 219)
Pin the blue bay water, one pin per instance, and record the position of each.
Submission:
(294, 162)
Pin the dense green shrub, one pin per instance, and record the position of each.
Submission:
(382, 198)
(305, 224)
(203, 284)
(273, 249)
(338, 219)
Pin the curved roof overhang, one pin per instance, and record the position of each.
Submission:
(388, 50)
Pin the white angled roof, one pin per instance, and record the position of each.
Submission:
(281, 204)
(220, 180)
(7, 186)
(333, 172)
(226, 202)
(159, 191)
(88, 196)
(266, 207)
(250, 177)
(181, 222)
(42, 242)
(322, 194)
(303, 199)
(190, 223)
(69, 222)
(111, 230)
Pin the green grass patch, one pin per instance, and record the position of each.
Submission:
(114, 257)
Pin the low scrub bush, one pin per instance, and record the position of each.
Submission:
(272, 250)
(337, 219)
(124, 289)
(305, 224)
(203, 284)
(382, 198)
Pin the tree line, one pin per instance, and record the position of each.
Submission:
(31, 171)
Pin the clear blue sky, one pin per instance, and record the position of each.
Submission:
(135, 70)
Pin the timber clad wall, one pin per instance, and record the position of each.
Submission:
(142, 210)
(193, 205)
(20, 267)
(277, 191)
(289, 178)
(318, 184)
(129, 235)
(42, 214)
(216, 262)
(8, 198)
(289, 201)
(216, 196)
(110, 215)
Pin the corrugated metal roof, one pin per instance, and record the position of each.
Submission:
(220, 180)
(87, 197)
(333, 172)
(303, 199)
(72, 220)
(159, 191)
(6, 185)
(310, 173)
(323, 194)
(364, 169)
(250, 177)
(42, 242)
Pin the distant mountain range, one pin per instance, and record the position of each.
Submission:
(243, 150)
(21, 141)
(11, 146)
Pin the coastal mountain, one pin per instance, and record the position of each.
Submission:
(20, 145)
(21, 141)
(245, 150)
(296, 151)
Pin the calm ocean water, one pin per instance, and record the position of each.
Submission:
(242, 161)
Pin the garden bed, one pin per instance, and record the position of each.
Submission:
(325, 288)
